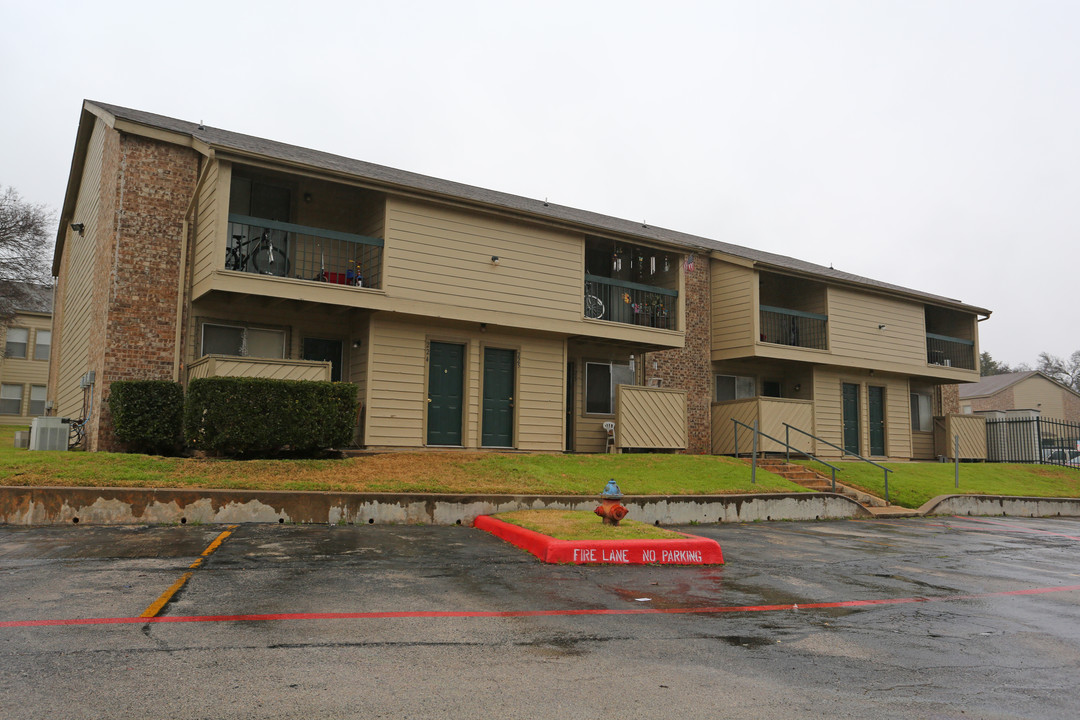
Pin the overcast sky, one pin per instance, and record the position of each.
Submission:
(934, 145)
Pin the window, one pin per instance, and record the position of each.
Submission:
(732, 387)
(601, 380)
(921, 414)
(37, 400)
(247, 342)
(10, 399)
(42, 344)
(772, 388)
(16, 343)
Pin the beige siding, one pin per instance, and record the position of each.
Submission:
(443, 256)
(770, 414)
(226, 366)
(24, 372)
(397, 377)
(922, 445)
(854, 320)
(1038, 393)
(78, 289)
(650, 418)
(212, 204)
(733, 299)
(589, 433)
(828, 415)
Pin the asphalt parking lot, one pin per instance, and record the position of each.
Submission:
(920, 618)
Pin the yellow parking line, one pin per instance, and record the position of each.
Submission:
(166, 596)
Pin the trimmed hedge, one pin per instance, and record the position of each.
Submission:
(259, 416)
(148, 415)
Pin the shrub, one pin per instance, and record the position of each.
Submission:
(148, 415)
(259, 416)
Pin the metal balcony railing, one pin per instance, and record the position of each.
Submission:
(631, 303)
(794, 327)
(280, 249)
(950, 351)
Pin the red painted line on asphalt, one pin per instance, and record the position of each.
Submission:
(526, 613)
(1014, 526)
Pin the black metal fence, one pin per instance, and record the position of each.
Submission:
(1033, 440)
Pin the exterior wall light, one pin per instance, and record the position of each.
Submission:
(494, 259)
(79, 228)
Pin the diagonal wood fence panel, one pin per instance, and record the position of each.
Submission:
(275, 369)
(650, 418)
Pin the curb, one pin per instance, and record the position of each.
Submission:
(142, 506)
(693, 550)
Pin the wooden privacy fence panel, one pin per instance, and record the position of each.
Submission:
(972, 432)
(275, 369)
(771, 414)
(650, 418)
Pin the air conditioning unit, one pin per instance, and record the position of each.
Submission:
(49, 433)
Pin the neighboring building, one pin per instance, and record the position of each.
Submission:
(1022, 391)
(468, 317)
(24, 366)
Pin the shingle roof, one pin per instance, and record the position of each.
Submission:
(30, 297)
(237, 142)
(993, 383)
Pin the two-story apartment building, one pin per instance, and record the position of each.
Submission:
(468, 318)
(24, 365)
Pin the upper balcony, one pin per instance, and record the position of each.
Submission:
(282, 249)
(282, 226)
(950, 338)
(793, 312)
(631, 284)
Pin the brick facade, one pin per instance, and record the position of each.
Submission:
(947, 400)
(146, 188)
(690, 368)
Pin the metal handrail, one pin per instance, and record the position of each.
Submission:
(753, 459)
(846, 452)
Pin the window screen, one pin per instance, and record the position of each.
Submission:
(37, 400)
(732, 387)
(921, 417)
(10, 399)
(265, 343)
(16, 342)
(42, 344)
(598, 388)
(222, 340)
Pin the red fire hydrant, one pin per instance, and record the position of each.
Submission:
(610, 509)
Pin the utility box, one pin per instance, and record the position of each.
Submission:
(22, 439)
(49, 433)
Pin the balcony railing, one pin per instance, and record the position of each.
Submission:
(950, 351)
(630, 303)
(795, 328)
(280, 249)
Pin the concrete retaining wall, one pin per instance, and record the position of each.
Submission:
(1001, 505)
(120, 506)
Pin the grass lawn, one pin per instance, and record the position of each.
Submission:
(912, 484)
(579, 525)
(434, 472)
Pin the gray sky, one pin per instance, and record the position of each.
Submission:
(930, 144)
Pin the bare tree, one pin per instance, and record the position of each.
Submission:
(25, 250)
(1066, 372)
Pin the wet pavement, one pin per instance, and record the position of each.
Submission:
(912, 618)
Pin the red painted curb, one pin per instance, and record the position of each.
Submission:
(692, 550)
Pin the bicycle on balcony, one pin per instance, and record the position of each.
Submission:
(262, 255)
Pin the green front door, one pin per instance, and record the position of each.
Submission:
(445, 382)
(498, 411)
(876, 408)
(851, 417)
